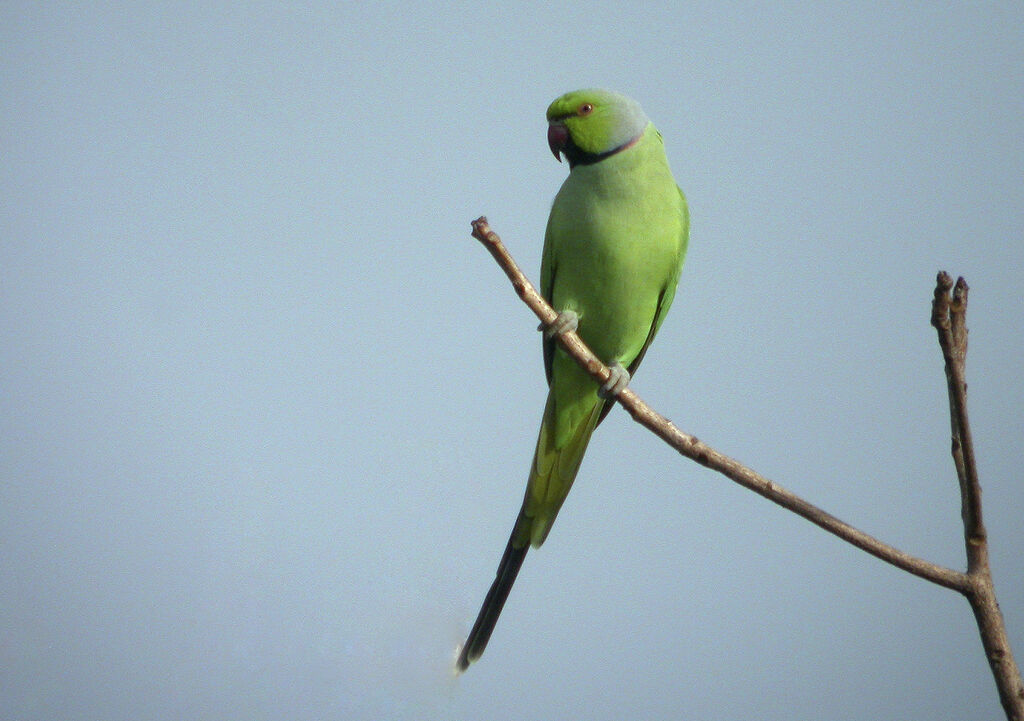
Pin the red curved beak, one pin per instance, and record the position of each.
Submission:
(558, 139)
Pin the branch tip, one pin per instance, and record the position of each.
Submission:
(941, 302)
(482, 231)
(959, 304)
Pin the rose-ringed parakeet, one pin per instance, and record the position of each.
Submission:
(613, 251)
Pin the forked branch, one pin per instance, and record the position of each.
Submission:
(948, 314)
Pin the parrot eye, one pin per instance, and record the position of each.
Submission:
(585, 109)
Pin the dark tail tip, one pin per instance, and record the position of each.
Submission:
(508, 569)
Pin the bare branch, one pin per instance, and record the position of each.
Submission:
(948, 316)
(949, 313)
(949, 319)
(698, 451)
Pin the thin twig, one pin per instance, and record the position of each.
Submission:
(698, 451)
(949, 313)
(949, 316)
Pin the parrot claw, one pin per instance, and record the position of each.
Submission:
(618, 379)
(566, 321)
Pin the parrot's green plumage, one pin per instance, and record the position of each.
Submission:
(613, 251)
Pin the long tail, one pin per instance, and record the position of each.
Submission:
(551, 476)
(508, 569)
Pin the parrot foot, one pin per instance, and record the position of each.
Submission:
(618, 379)
(566, 321)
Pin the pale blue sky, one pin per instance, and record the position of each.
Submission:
(267, 409)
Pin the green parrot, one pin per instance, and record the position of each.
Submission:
(613, 251)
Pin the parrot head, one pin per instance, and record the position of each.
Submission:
(588, 125)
